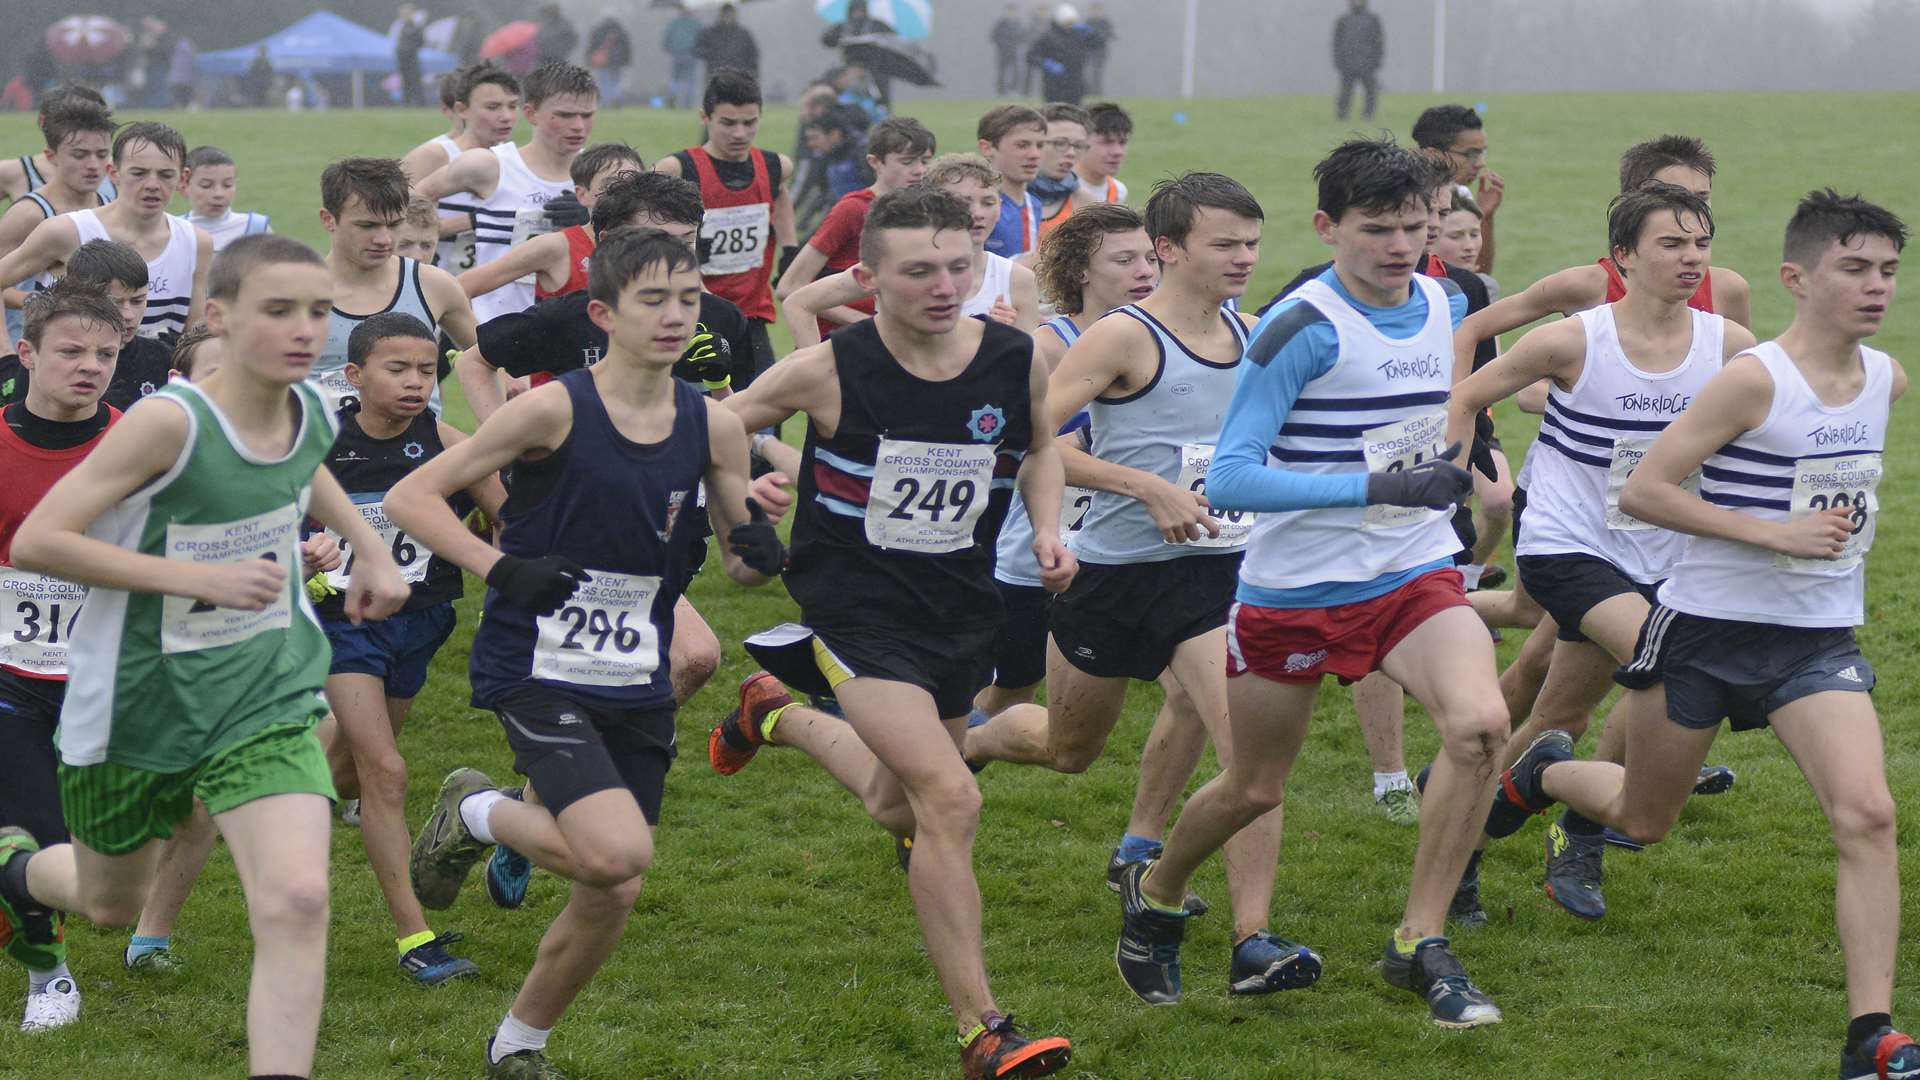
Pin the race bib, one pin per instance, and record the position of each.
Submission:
(1195, 460)
(189, 625)
(529, 222)
(1402, 445)
(1828, 482)
(37, 614)
(735, 238)
(1628, 450)
(334, 385)
(459, 253)
(408, 554)
(926, 497)
(603, 636)
(1074, 504)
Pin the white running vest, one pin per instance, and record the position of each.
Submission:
(1591, 439)
(1382, 406)
(1806, 456)
(1168, 428)
(457, 249)
(1013, 562)
(231, 227)
(512, 215)
(996, 274)
(169, 277)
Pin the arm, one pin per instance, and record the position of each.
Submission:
(543, 255)
(1492, 191)
(804, 268)
(668, 164)
(1566, 291)
(1042, 483)
(451, 309)
(806, 381)
(17, 224)
(784, 232)
(1271, 378)
(475, 171)
(375, 588)
(488, 493)
(479, 383)
(806, 303)
(1556, 351)
(1732, 296)
(1533, 399)
(202, 264)
(727, 470)
(1025, 298)
(13, 179)
(421, 162)
(45, 247)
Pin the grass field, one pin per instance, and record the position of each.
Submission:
(775, 938)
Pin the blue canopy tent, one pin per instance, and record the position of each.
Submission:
(324, 44)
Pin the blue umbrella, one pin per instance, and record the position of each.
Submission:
(909, 18)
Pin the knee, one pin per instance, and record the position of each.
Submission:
(1474, 735)
(612, 866)
(297, 902)
(1649, 830)
(1864, 818)
(383, 776)
(702, 659)
(1252, 796)
(1076, 759)
(949, 805)
(1496, 501)
(111, 912)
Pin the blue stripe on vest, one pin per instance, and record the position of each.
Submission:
(1725, 499)
(1394, 401)
(1729, 476)
(1553, 421)
(1300, 457)
(1325, 431)
(1585, 459)
(1758, 457)
(1554, 406)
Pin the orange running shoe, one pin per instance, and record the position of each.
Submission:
(996, 1050)
(736, 738)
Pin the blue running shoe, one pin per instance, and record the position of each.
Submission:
(1263, 964)
(1465, 911)
(1518, 796)
(1574, 872)
(1615, 838)
(1117, 869)
(1885, 1055)
(1435, 973)
(431, 964)
(1148, 954)
(508, 871)
(977, 718)
(1713, 780)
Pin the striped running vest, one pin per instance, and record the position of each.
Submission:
(1014, 563)
(512, 215)
(169, 277)
(330, 367)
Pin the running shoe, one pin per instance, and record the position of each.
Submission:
(1263, 964)
(1464, 910)
(431, 964)
(977, 718)
(54, 1005)
(996, 1049)
(1117, 869)
(1713, 780)
(1885, 1055)
(521, 1065)
(1433, 972)
(736, 738)
(1518, 795)
(1492, 577)
(508, 872)
(444, 851)
(1148, 954)
(1621, 840)
(1401, 805)
(159, 961)
(350, 812)
(903, 851)
(1574, 872)
(31, 935)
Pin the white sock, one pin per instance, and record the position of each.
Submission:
(1384, 782)
(38, 980)
(473, 813)
(1470, 574)
(514, 1036)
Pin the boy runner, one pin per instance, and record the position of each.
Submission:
(1458, 132)
(558, 260)
(147, 163)
(749, 209)
(378, 668)
(483, 102)
(1109, 130)
(1333, 437)
(418, 236)
(79, 141)
(920, 424)
(144, 364)
(26, 174)
(571, 653)
(1011, 138)
(510, 185)
(899, 150)
(212, 178)
(208, 686)
(1620, 374)
(1057, 185)
(1756, 622)
(363, 201)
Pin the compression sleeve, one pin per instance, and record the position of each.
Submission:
(1292, 346)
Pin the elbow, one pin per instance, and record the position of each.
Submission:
(1639, 499)
(27, 551)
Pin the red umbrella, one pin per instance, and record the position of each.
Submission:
(516, 45)
(85, 40)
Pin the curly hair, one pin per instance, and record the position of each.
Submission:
(1060, 268)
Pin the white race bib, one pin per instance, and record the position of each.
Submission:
(334, 385)
(1074, 504)
(459, 253)
(408, 554)
(1846, 482)
(1195, 460)
(529, 222)
(736, 238)
(604, 634)
(926, 497)
(37, 614)
(1628, 450)
(189, 625)
(1402, 445)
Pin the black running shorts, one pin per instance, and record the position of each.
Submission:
(952, 666)
(1020, 652)
(1569, 586)
(568, 749)
(1717, 669)
(1125, 620)
(30, 794)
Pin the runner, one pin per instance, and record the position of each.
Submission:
(1109, 130)
(79, 139)
(1458, 131)
(26, 174)
(1756, 622)
(570, 653)
(207, 687)
(1012, 138)
(558, 260)
(485, 106)
(212, 179)
(143, 364)
(1333, 438)
(749, 209)
(147, 162)
(1057, 185)
(920, 423)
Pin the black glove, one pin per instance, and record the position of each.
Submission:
(1480, 455)
(788, 253)
(538, 585)
(755, 543)
(1435, 484)
(708, 357)
(564, 210)
(1464, 531)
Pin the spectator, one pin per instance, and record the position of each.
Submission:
(1038, 23)
(557, 36)
(809, 187)
(153, 50)
(835, 140)
(409, 38)
(1359, 48)
(609, 51)
(469, 33)
(680, 42)
(860, 23)
(1007, 36)
(1100, 29)
(726, 45)
(853, 89)
(180, 72)
(257, 83)
(1061, 55)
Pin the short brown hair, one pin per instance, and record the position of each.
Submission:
(67, 298)
(922, 206)
(899, 135)
(187, 347)
(248, 255)
(421, 214)
(998, 121)
(1642, 160)
(1066, 113)
(379, 182)
(951, 168)
(1060, 267)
